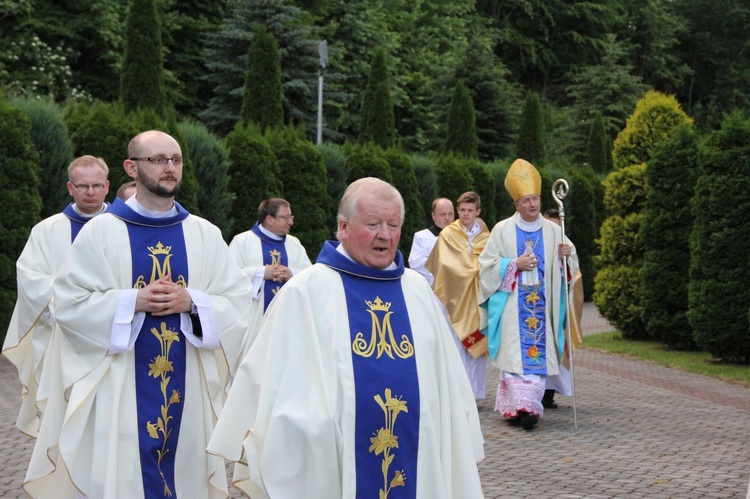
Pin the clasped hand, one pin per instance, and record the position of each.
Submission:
(163, 297)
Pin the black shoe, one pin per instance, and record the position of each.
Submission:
(529, 421)
(548, 401)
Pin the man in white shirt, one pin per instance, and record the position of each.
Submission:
(424, 240)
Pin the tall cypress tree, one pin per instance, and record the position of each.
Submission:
(142, 76)
(461, 137)
(262, 96)
(531, 133)
(19, 200)
(405, 181)
(718, 294)
(598, 148)
(665, 233)
(378, 120)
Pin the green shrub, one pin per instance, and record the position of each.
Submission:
(405, 181)
(718, 293)
(453, 176)
(336, 173)
(303, 174)
(19, 200)
(210, 158)
(366, 160)
(424, 169)
(254, 173)
(52, 143)
(665, 232)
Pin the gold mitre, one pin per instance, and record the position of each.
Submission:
(522, 179)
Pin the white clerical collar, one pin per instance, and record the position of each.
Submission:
(269, 233)
(142, 210)
(474, 229)
(90, 215)
(528, 226)
(341, 250)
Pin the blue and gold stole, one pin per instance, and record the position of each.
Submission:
(385, 377)
(274, 253)
(532, 305)
(157, 246)
(76, 220)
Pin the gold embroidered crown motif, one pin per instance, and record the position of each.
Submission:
(160, 249)
(378, 304)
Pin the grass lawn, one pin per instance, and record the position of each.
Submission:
(694, 362)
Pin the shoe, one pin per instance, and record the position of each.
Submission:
(529, 421)
(548, 401)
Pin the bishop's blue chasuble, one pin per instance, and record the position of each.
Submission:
(385, 377)
(532, 305)
(157, 246)
(274, 253)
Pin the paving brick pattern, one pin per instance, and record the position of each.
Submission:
(644, 431)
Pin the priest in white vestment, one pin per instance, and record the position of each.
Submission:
(424, 240)
(522, 288)
(151, 309)
(269, 256)
(360, 391)
(32, 322)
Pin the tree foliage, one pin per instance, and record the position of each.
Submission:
(52, 142)
(142, 77)
(655, 118)
(262, 96)
(718, 298)
(599, 147)
(210, 158)
(617, 281)
(405, 181)
(531, 132)
(254, 173)
(378, 122)
(303, 173)
(453, 176)
(665, 232)
(19, 200)
(461, 128)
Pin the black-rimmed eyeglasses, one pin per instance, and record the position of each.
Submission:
(158, 160)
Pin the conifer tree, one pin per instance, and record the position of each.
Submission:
(453, 176)
(378, 123)
(262, 96)
(484, 185)
(618, 286)
(424, 169)
(366, 160)
(665, 233)
(142, 77)
(52, 141)
(19, 200)
(210, 159)
(718, 295)
(598, 147)
(254, 173)
(531, 132)
(461, 136)
(304, 177)
(405, 181)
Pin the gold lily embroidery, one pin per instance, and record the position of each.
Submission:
(533, 326)
(159, 368)
(386, 440)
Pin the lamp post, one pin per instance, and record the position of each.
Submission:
(322, 64)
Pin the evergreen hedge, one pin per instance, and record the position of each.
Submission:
(461, 136)
(303, 174)
(453, 177)
(719, 272)
(665, 232)
(210, 158)
(378, 122)
(254, 174)
(405, 181)
(142, 77)
(20, 203)
(530, 144)
(52, 141)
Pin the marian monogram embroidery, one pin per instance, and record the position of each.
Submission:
(275, 257)
(160, 266)
(386, 440)
(381, 335)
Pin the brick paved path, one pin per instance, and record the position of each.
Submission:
(644, 431)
